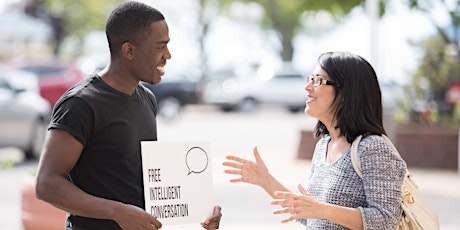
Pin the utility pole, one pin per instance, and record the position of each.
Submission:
(372, 9)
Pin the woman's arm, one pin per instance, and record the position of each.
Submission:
(253, 172)
(305, 205)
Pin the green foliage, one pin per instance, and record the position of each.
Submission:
(81, 16)
(283, 16)
(456, 113)
(439, 65)
(6, 164)
(336, 8)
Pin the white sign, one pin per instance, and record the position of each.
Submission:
(177, 181)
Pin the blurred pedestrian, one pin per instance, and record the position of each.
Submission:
(344, 95)
(91, 161)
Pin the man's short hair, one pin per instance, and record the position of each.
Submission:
(129, 22)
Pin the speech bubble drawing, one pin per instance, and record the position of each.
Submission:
(196, 160)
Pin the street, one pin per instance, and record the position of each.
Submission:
(276, 132)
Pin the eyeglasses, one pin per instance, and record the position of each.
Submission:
(316, 80)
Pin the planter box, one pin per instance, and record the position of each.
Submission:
(307, 145)
(36, 214)
(421, 146)
(428, 146)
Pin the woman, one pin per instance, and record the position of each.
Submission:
(344, 95)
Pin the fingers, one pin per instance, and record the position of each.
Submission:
(237, 168)
(235, 158)
(157, 224)
(238, 162)
(232, 164)
(213, 222)
(237, 165)
(234, 172)
(217, 210)
(288, 210)
(282, 202)
(302, 190)
(285, 195)
(217, 214)
(287, 201)
(289, 219)
(284, 199)
(257, 154)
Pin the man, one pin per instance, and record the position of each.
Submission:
(91, 161)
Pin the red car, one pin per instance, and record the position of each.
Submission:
(54, 78)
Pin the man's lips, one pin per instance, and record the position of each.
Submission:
(161, 69)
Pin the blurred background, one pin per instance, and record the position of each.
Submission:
(238, 70)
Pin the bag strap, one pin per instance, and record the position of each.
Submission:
(354, 153)
(354, 156)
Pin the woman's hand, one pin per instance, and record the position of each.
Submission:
(303, 205)
(253, 172)
(213, 222)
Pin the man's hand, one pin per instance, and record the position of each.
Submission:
(213, 222)
(132, 217)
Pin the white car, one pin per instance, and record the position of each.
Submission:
(24, 114)
(244, 93)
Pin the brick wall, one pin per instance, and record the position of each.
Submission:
(421, 146)
(427, 146)
(306, 145)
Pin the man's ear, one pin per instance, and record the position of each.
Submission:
(127, 50)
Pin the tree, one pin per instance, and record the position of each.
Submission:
(440, 64)
(284, 16)
(451, 34)
(71, 18)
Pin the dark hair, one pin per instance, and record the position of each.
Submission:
(129, 22)
(358, 99)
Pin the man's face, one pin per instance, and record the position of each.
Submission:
(151, 55)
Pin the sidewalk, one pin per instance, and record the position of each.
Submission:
(440, 188)
(435, 182)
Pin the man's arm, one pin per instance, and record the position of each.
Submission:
(60, 153)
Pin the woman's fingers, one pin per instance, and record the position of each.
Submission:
(286, 210)
(284, 199)
(232, 164)
(235, 158)
(284, 195)
(233, 172)
(257, 156)
(302, 190)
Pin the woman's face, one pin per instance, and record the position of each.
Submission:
(320, 97)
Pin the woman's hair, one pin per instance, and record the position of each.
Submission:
(129, 22)
(358, 100)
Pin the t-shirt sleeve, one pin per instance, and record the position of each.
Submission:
(75, 117)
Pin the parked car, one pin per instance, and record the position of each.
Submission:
(24, 116)
(244, 93)
(20, 79)
(173, 93)
(54, 78)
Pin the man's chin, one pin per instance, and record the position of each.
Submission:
(154, 81)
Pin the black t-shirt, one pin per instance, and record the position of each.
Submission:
(111, 126)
